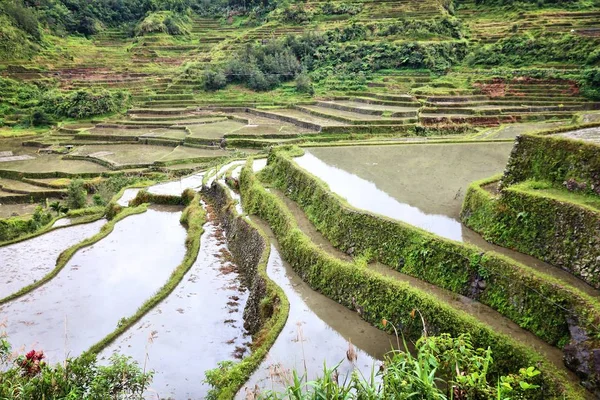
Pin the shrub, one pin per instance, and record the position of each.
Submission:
(590, 83)
(304, 85)
(40, 118)
(163, 22)
(112, 209)
(214, 80)
(23, 18)
(443, 368)
(76, 194)
(78, 378)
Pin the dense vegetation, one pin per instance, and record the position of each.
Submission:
(29, 376)
(441, 368)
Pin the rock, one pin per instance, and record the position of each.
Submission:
(350, 251)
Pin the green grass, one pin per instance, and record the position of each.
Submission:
(546, 189)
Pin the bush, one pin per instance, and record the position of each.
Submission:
(23, 18)
(112, 209)
(40, 118)
(443, 368)
(78, 378)
(214, 80)
(76, 194)
(83, 103)
(590, 83)
(163, 22)
(304, 85)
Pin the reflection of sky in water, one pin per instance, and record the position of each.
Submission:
(189, 326)
(98, 286)
(365, 195)
(305, 337)
(128, 195)
(25, 262)
(175, 188)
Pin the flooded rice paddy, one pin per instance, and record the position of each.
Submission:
(420, 184)
(317, 330)
(98, 286)
(198, 325)
(25, 262)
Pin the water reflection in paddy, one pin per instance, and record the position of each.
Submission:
(317, 330)
(25, 262)
(98, 286)
(195, 327)
(422, 185)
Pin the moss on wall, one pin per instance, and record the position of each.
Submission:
(381, 297)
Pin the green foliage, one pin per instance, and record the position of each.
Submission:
(442, 368)
(339, 8)
(83, 103)
(112, 210)
(590, 83)
(30, 377)
(296, 14)
(214, 80)
(76, 194)
(263, 67)
(378, 296)
(304, 84)
(23, 17)
(543, 310)
(163, 22)
(524, 49)
(12, 228)
(538, 219)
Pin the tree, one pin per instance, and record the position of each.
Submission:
(76, 194)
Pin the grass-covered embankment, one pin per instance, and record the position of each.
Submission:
(267, 308)
(536, 302)
(553, 159)
(380, 297)
(535, 218)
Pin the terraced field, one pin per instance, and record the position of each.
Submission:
(262, 232)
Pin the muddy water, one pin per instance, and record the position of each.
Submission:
(317, 330)
(194, 328)
(128, 195)
(407, 184)
(98, 286)
(175, 188)
(25, 262)
(482, 312)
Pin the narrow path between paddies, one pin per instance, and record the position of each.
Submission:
(100, 285)
(198, 325)
(25, 262)
(480, 311)
(424, 186)
(318, 330)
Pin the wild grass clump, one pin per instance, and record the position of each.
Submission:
(440, 368)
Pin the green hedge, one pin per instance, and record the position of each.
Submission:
(537, 302)
(553, 159)
(561, 233)
(381, 297)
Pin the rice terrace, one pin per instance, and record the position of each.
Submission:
(285, 199)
